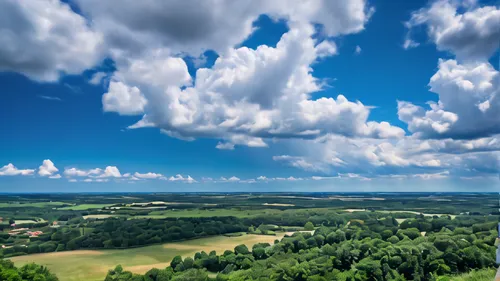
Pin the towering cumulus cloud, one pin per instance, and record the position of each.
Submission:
(459, 132)
(468, 86)
(248, 95)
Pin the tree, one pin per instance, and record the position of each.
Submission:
(445, 243)
(354, 252)
(412, 233)
(165, 275)
(328, 250)
(119, 269)
(246, 264)
(393, 239)
(176, 261)
(60, 247)
(309, 226)
(188, 263)
(386, 234)
(241, 249)
(259, 253)
(152, 274)
(369, 269)
(191, 275)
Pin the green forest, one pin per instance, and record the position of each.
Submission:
(368, 248)
(361, 240)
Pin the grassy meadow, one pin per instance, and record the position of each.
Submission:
(475, 275)
(92, 265)
(83, 207)
(197, 213)
(233, 212)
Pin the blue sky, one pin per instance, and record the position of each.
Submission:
(245, 96)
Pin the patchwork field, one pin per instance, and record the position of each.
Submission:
(83, 207)
(197, 213)
(233, 214)
(92, 265)
(30, 204)
(192, 213)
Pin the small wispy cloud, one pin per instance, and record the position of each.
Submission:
(409, 44)
(74, 89)
(50, 98)
(358, 50)
(98, 78)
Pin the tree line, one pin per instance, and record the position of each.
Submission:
(113, 233)
(372, 249)
(122, 233)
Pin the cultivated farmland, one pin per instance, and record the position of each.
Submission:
(92, 265)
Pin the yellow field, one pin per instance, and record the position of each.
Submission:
(93, 265)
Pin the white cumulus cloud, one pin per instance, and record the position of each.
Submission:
(181, 178)
(468, 86)
(123, 99)
(75, 172)
(250, 95)
(471, 32)
(468, 106)
(42, 39)
(108, 172)
(148, 175)
(47, 168)
(11, 170)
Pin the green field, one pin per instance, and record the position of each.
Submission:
(197, 213)
(84, 207)
(30, 204)
(193, 213)
(92, 265)
(476, 275)
(208, 213)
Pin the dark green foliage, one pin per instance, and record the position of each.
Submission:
(309, 226)
(241, 249)
(355, 252)
(176, 261)
(393, 239)
(28, 272)
(354, 246)
(411, 233)
(121, 233)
